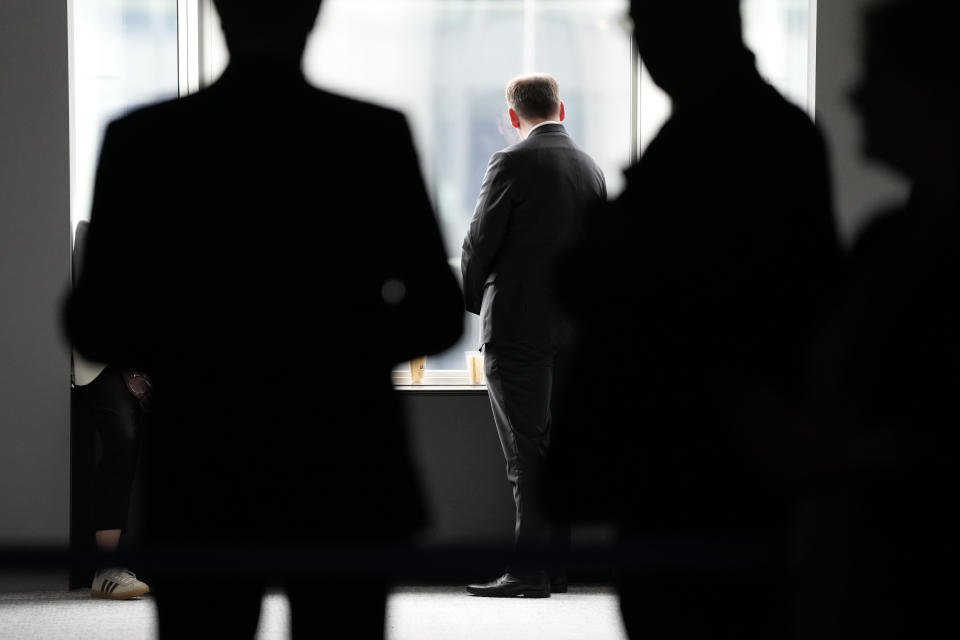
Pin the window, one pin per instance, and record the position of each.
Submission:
(123, 53)
(778, 32)
(444, 63)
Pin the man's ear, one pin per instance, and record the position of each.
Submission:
(563, 111)
(514, 119)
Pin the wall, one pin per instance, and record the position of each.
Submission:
(860, 188)
(455, 444)
(457, 450)
(34, 271)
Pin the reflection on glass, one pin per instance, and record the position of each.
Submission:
(124, 54)
(445, 64)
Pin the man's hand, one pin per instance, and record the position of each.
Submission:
(139, 385)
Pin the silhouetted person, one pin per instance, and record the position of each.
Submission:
(886, 464)
(534, 197)
(266, 251)
(697, 287)
(110, 403)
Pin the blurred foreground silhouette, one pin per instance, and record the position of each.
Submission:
(878, 539)
(698, 291)
(266, 251)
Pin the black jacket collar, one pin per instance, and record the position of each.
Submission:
(547, 128)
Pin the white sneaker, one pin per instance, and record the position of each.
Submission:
(117, 583)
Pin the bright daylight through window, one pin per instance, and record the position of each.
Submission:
(444, 63)
(123, 54)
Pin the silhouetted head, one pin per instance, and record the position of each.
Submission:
(274, 28)
(533, 99)
(684, 42)
(908, 97)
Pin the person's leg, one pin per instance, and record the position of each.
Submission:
(649, 609)
(518, 381)
(110, 410)
(207, 606)
(352, 608)
(687, 605)
(107, 539)
(560, 524)
(116, 417)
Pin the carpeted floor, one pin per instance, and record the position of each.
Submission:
(413, 613)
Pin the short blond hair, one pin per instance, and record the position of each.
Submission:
(534, 96)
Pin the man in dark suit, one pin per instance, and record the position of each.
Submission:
(699, 289)
(534, 197)
(266, 251)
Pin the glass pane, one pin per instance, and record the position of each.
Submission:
(124, 54)
(778, 32)
(587, 47)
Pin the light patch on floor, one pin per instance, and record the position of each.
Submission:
(413, 613)
(435, 613)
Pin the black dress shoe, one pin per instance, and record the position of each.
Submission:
(510, 586)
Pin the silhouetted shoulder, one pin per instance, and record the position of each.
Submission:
(776, 119)
(886, 228)
(145, 115)
(155, 133)
(339, 111)
(359, 111)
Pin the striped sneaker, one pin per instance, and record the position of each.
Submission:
(117, 583)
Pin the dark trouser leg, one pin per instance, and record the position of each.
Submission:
(696, 607)
(561, 525)
(207, 606)
(519, 380)
(318, 607)
(108, 407)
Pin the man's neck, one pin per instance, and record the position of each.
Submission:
(714, 76)
(536, 125)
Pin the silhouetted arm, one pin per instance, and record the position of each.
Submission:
(487, 230)
(100, 314)
(428, 316)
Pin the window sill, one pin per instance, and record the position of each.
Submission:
(437, 380)
(470, 389)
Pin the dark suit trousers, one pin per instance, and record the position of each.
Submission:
(521, 382)
(229, 607)
(105, 405)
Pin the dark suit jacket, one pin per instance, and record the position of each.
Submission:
(892, 361)
(708, 273)
(266, 251)
(532, 203)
